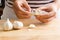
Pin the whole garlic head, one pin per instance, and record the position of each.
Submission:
(32, 26)
(17, 25)
(7, 25)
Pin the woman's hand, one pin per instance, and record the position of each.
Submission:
(22, 9)
(46, 17)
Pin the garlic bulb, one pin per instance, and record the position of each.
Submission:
(7, 25)
(17, 25)
(32, 26)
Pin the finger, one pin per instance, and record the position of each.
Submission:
(18, 7)
(18, 13)
(24, 16)
(46, 20)
(27, 6)
(46, 8)
(21, 15)
(46, 16)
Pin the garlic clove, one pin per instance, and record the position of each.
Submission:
(43, 13)
(17, 25)
(32, 26)
(7, 25)
(38, 12)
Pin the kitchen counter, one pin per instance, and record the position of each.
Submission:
(48, 31)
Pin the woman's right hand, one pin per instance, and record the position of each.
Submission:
(51, 14)
(19, 6)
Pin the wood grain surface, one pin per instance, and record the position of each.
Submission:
(48, 31)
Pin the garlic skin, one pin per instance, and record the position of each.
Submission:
(7, 25)
(33, 11)
(32, 26)
(17, 25)
(38, 12)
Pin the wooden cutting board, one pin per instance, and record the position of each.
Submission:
(48, 31)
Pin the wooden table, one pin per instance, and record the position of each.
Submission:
(48, 31)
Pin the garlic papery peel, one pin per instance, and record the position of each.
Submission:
(7, 25)
(32, 26)
(38, 12)
(18, 24)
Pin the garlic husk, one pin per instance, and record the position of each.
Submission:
(7, 25)
(33, 11)
(40, 12)
(32, 26)
(17, 25)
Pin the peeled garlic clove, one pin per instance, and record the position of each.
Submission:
(32, 26)
(17, 25)
(7, 25)
(37, 12)
(40, 12)
(43, 12)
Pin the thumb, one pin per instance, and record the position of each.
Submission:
(27, 7)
